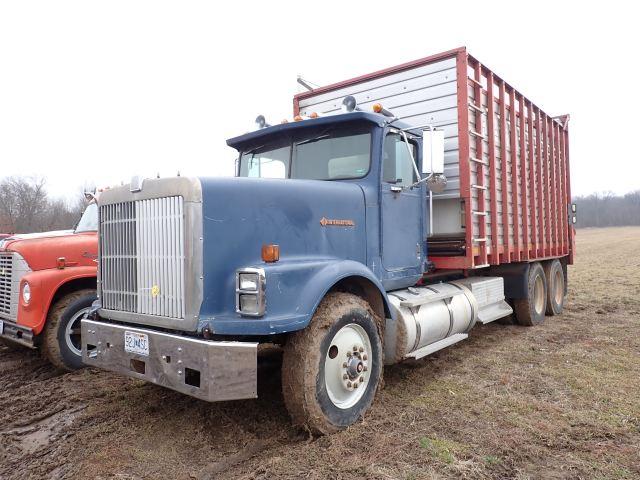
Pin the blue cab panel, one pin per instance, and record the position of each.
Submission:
(327, 230)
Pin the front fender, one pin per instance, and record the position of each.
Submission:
(44, 284)
(294, 289)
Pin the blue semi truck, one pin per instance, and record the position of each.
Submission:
(321, 246)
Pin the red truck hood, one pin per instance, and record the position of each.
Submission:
(42, 250)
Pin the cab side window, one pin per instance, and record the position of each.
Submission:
(397, 167)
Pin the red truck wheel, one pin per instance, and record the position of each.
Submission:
(61, 337)
(331, 369)
(530, 311)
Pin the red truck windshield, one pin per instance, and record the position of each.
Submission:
(89, 220)
(323, 157)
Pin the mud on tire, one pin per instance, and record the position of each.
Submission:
(531, 310)
(55, 344)
(313, 401)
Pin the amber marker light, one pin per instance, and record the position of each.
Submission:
(61, 262)
(313, 115)
(284, 120)
(297, 118)
(270, 253)
(377, 107)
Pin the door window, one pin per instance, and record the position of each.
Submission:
(397, 166)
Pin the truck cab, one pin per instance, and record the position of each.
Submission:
(47, 283)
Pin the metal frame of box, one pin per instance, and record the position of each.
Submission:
(514, 182)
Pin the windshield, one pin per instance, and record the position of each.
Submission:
(325, 156)
(89, 220)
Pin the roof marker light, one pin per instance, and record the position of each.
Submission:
(298, 118)
(378, 108)
(314, 115)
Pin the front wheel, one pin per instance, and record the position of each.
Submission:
(331, 370)
(61, 343)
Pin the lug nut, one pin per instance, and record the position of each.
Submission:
(361, 349)
(344, 364)
(345, 376)
(364, 357)
(364, 368)
(361, 379)
(355, 348)
(348, 384)
(348, 354)
(355, 385)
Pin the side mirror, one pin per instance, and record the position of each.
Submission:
(433, 152)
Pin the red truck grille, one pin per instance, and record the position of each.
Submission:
(12, 269)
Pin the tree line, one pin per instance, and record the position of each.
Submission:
(26, 207)
(608, 210)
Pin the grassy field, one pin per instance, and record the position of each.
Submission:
(561, 400)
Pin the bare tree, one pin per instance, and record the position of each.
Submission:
(25, 207)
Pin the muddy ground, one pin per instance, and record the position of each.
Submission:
(557, 401)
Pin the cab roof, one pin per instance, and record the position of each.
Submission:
(357, 116)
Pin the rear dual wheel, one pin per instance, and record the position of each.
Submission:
(556, 287)
(332, 368)
(545, 293)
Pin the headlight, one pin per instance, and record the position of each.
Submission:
(248, 281)
(250, 292)
(249, 304)
(26, 293)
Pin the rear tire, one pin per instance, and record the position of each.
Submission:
(530, 311)
(318, 388)
(555, 287)
(61, 337)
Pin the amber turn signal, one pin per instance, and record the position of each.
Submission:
(377, 107)
(270, 253)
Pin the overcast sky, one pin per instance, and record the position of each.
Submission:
(92, 93)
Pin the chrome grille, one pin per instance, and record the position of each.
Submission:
(12, 269)
(6, 273)
(142, 257)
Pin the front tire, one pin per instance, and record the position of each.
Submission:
(61, 343)
(530, 311)
(331, 370)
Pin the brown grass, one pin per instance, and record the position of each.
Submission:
(561, 400)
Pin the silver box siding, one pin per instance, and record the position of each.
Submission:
(419, 96)
(150, 251)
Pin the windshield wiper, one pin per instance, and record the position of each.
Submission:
(311, 140)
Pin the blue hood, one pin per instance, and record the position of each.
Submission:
(242, 214)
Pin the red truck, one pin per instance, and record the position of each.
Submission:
(47, 283)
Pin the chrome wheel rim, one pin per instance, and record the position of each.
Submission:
(538, 294)
(72, 332)
(558, 287)
(347, 366)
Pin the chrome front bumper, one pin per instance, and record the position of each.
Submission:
(208, 370)
(16, 333)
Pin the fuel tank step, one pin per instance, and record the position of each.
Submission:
(434, 347)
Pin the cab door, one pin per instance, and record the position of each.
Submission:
(401, 208)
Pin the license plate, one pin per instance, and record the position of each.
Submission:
(1, 327)
(137, 343)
